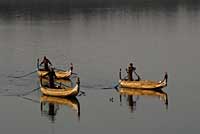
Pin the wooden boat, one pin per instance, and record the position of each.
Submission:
(60, 74)
(145, 92)
(60, 91)
(144, 84)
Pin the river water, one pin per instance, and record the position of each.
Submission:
(100, 37)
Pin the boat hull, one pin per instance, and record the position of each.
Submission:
(59, 74)
(144, 84)
(60, 92)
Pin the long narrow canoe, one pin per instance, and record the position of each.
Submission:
(145, 92)
(60, 74)
(61, 91)
(144, 84)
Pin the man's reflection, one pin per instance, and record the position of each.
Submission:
(131, 103)
(50, 110)
(50, 106)
(132, 96)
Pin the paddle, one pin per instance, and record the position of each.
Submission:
(23, 94)
(30, 99)
(23, 75)
(27, 93)
(139, 78)
(27, 73)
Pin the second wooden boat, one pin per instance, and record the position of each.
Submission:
(144, 84)
(60, 74)
(60, 91)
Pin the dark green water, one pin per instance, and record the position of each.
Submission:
(100, 37)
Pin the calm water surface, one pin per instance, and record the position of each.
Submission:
(99, 38)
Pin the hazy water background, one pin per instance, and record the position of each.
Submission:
(100, 37)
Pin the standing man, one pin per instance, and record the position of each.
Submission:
(45, 62)
(51, 76)
(130, 71)
(71, 67)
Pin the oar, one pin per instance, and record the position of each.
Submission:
(139, 78)
(27, 73)
(23, 75)
(30, 99)
(27, 93)
(23, 94)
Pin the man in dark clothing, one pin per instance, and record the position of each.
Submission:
(45, 62)
(71, 67)
(51, 76)
(130, 71)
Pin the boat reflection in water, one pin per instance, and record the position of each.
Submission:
(50, 105)
(132, 96)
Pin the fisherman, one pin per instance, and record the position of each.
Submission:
(130, 71)
(51, 76)
(45, 62)
(71, 67)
